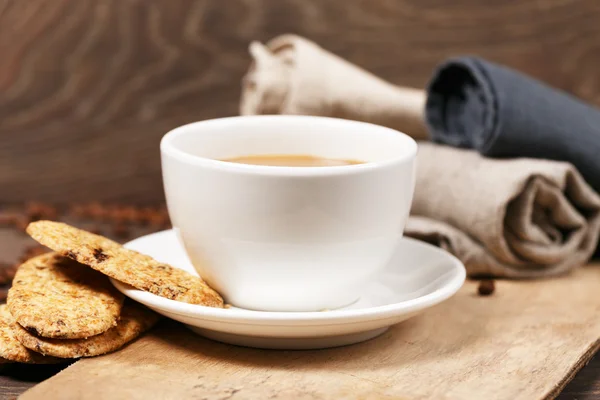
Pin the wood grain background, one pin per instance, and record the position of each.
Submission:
(87, 88)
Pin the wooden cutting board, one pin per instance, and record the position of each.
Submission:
(524, 342)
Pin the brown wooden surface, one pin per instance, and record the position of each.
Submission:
(585, 385)
(519, 343)
(15, 379)
(87, 88)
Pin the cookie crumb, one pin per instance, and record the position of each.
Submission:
(486, 287)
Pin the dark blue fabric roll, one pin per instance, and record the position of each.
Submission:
(473, 103)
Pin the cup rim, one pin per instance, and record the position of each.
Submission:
(168, 148)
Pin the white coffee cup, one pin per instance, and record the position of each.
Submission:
(288, 238)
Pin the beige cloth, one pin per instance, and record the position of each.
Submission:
(507, 218)
(519, 343)
(291, 75)
(513, 218)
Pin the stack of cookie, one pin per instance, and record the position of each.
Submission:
(62, 304)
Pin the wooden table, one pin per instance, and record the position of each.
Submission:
(16, 379)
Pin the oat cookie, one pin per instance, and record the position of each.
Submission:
(11, 350)
(135, 319)
(55, 297)
(128, 266)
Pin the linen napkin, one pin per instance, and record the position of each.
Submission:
(500, 112)
(517, 218)
(292, 75)
(519, 343)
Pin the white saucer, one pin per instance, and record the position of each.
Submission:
(418, 277)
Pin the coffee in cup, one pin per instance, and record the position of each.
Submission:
(290, 160)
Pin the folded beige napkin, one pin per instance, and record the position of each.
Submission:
(506, 218)
(291, 75)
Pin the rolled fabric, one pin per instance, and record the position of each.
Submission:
(518, 218)
(292, 75)
(500, 112)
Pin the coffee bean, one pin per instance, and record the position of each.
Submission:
(486, 287)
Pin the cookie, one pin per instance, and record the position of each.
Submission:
(55, 297)
(135, 319)
(125, 265)
(11, 350)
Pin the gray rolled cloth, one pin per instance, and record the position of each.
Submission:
(473, 103)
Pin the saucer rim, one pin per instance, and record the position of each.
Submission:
(349, 316)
